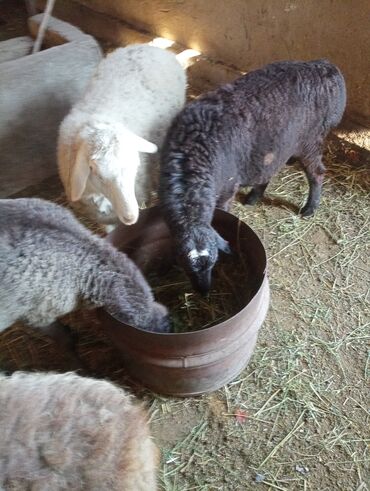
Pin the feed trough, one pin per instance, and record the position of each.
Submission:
(190, 363)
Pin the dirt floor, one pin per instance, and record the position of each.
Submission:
(13, 19)
(298, 417)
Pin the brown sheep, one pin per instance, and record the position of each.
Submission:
(65, 432)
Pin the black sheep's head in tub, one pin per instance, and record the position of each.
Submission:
(197, 253)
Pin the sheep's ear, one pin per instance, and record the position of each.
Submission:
(140, 144)
(79, 175)
(222, 244)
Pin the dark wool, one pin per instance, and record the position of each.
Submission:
(240, 135)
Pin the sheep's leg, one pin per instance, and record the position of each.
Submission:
(62, 335)
(255, 194)
(315, 170)
(225, 204)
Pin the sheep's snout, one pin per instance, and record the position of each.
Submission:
(201, 281)
(124, 202)
(129, 219)
(165, 325)
(160, 319)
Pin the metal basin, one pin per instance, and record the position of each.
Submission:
(190, 363)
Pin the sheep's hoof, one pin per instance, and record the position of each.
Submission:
(252, 198)
(307, 211)
(292, 161)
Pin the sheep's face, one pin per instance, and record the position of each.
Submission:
(109, 156)
(113, 174)
(198, 254)
(160, 321)
(128, 297)
(155, 319)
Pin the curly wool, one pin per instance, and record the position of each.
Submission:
(65, 432)
(241, 134)
(141, 88)
(50, 264)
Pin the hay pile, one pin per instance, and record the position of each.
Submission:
(190, 311)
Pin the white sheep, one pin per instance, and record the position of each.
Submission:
(51, 264)
(62, 432)
(105, 140)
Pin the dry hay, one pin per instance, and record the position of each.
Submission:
(297, 418)
(191, 311)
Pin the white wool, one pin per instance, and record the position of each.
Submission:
(105, 143)
(194, 253)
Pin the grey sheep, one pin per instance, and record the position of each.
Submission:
(62, 432)
(241, 134)
(50, 264)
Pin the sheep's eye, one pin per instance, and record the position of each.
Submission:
(203, 264)
(93, 171)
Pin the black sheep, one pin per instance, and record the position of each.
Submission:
(241, 134)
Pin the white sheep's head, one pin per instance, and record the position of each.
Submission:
(108, 156)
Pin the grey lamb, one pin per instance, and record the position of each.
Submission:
(50, 264)
(62, 432)
(240, 135)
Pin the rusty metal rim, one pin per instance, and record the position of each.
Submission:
(219, 385)
(191, 333)
(187, 361)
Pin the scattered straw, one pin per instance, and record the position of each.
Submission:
(306, 390)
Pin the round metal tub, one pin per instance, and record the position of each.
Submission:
(189, 363)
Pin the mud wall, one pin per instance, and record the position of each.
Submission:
(249, 33)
